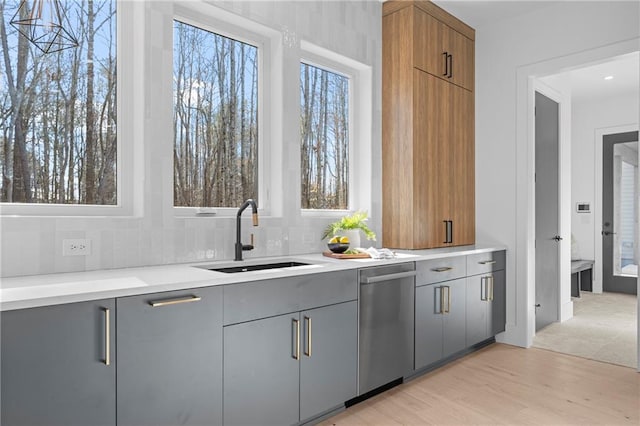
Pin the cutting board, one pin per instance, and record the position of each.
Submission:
(345, 256)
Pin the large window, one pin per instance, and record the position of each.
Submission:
(58, 140)
(324, 138)
(215, 82)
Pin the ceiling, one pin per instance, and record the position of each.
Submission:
(478, 13)
(589, 82)
(586, 82)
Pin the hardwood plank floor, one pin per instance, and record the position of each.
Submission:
(503, 384)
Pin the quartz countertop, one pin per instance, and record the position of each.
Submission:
(54, 289)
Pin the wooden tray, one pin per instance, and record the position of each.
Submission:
(345, 256)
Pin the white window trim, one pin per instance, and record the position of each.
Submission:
(360, 125)
(128, 74)
(220, 21)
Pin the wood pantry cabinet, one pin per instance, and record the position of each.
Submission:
(428, 124)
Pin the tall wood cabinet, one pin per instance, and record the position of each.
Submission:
(427, 127)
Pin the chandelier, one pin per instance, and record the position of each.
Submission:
(44, 23)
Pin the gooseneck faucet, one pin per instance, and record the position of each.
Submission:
(239, 246)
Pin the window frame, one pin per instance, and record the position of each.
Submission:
(360, 102)
(127, 75)
(214, 20)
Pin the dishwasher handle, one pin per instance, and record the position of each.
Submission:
(388, 277)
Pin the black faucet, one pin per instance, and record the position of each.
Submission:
(239, 246)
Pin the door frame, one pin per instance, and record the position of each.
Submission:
(597, 202)
(561, 100)
(521, 328)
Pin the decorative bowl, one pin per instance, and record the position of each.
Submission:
(338, 247)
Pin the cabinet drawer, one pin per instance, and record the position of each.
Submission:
(266, 298)
(438, 270)
(485, 262)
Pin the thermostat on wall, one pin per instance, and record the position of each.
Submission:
(583, 207)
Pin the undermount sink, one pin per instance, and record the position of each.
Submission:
(258, 267)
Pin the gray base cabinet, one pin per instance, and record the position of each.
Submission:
(460, 301)
(329, 359)
(486, 297)
(440, 321)
(58, 365)
(284, 369)
(261, 374)
(170, 358)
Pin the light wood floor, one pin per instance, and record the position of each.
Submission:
(503, 384)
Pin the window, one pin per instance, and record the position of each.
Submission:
(324, 138)
(215, 87)
(58, 138)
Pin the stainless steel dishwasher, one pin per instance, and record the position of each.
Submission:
(385, 342)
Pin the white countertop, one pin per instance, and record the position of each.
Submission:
(54, 289)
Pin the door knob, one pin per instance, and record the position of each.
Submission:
(607, 233)
(557, 238)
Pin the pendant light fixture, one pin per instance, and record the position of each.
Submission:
(44, 23)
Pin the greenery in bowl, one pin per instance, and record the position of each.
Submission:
(357, 220)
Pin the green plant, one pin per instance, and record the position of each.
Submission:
(358, 220)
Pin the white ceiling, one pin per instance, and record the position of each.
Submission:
(478, 13)
(587, 82)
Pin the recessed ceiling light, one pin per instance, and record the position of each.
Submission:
(609, 77)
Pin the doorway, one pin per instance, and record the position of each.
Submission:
(547, 134)
(620, 212)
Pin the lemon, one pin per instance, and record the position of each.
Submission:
(344, 240)
(334, 240)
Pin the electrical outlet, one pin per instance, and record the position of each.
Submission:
(76, 247)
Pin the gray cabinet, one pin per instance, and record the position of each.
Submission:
(261, 372)
(440, 321)
(58, 365)
(329, 359)
(486, 297)
(283, 369)
(170, 358)
(460, 301)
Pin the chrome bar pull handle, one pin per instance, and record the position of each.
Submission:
(307, 350)
(296, 348)
(107, 336)
(168, 302)
(491, 288)
(448, 299)
(442, 269)
(441, 300)
(483, 288)
(488, 262)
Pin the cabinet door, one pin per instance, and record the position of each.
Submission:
(477, 309)
(428, 328)
(170, 358)
(462, 60)
(431, 161)
(429, 40)
(261, 371)
(54, 365)
(497, 314)
(454, 319)
(461, 166)
(329, 364)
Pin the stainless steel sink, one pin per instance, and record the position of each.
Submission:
(258, 267)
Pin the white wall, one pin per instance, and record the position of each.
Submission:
(589, 115)
(353, 29)
(503, 153)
